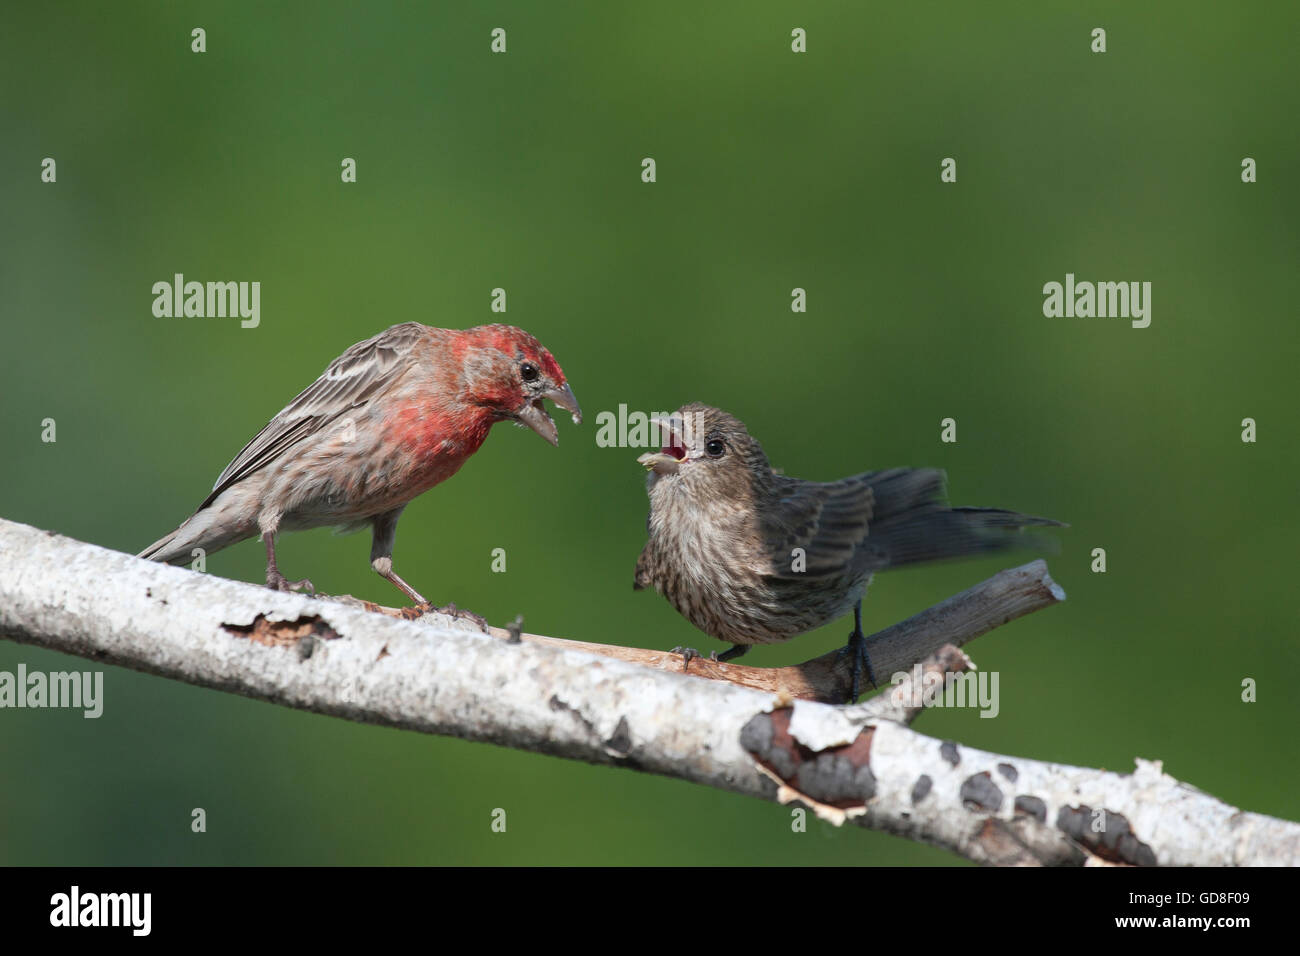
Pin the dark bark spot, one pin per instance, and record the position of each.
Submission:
(1032, 806)
(556, 704)
(921, 789)
(950, 753)
(838, 776)
(1113, 838)
(835, 779)
(756, 735)
(621, 742)
(1008, 771)
(979, 792)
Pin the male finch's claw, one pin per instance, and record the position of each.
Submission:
(451, 610)
(278, 582)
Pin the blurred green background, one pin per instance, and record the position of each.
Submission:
(775, 170)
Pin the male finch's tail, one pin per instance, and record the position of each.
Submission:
(208, 529)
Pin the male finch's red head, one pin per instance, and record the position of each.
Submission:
(508, 371)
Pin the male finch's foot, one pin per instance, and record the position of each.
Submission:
(277, 582)
(451, 610)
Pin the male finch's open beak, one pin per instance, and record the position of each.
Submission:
(534, 415)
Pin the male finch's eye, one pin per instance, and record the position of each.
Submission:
(528, 371)
(715, 447)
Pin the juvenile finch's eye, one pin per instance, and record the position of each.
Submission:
(715, 447)
(528, 371)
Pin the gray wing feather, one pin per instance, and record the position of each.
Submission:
(349, 382)
(828, 520)
(886, 519)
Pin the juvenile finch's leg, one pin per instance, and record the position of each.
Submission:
(274, 579)
(384, 530)
(857, 649)
(689, 654)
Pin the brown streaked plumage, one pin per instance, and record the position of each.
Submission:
(750, 556)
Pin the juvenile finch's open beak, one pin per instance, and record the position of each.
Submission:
(667, 459)
(534, 415)
(659, 463)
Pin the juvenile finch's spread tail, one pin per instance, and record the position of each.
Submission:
(390, 418)
(750, 556)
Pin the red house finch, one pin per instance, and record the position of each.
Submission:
(390, 418)
(750, 556)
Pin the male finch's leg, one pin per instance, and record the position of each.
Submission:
(381, 559)
(381, 552)
(274, 579)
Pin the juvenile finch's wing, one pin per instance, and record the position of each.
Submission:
(866, 522)
(349, 382)
(886, 519)
(828, 520)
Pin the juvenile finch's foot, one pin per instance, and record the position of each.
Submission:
(688, 654)
(451, 610)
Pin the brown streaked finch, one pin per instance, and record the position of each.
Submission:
(388, 419)
(750, 556)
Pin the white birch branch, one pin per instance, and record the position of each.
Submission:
(1007, 595)
(440, 676)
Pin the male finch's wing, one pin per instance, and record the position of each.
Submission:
(349, 382)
